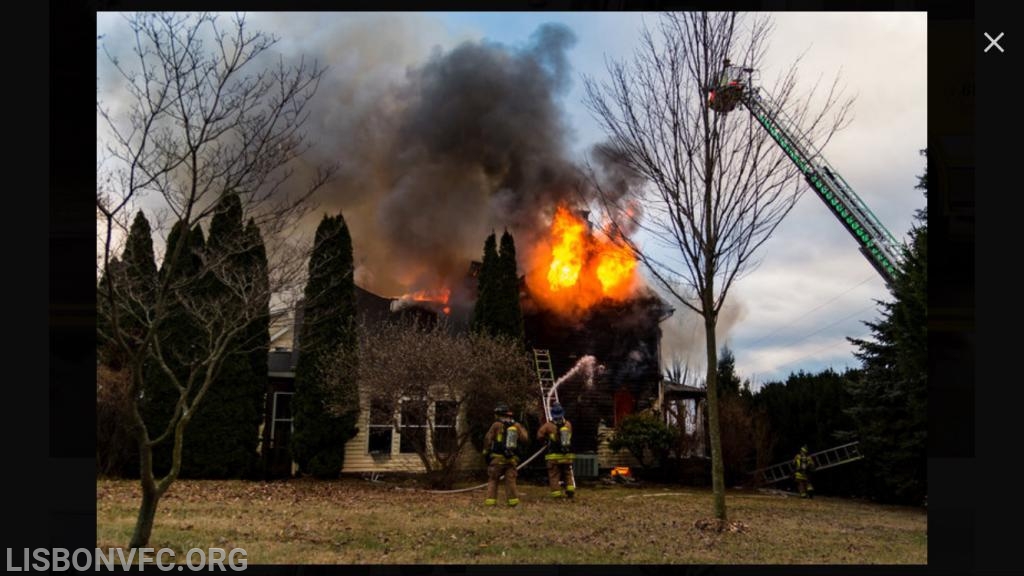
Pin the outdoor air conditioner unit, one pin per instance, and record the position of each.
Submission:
(585, 466)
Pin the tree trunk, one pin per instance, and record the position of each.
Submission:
(147, 513)
(715, 433)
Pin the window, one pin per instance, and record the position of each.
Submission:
(414, 425)
(380, 428)
(445, 414)
(281, 420)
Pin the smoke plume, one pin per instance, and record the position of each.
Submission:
(436, 152)
(683, 340)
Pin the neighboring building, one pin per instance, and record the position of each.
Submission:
(282, 324)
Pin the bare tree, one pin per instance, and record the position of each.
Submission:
(439, 388)
(709, 188)
(201, 112)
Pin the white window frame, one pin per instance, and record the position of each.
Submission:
(370, 426)
(274, 419)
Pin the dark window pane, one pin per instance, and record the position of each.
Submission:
(380, 413)
(414, 421)
(380, 440)
(283, 410)
(445, 413)
(414, 413)
(412, 439)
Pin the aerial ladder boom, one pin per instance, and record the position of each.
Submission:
(881, 249)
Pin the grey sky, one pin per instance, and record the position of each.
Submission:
(812, 288)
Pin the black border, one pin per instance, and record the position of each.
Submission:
(962, 535)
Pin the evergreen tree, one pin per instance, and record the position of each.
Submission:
(809, 409)
(138, 276)
(728, 381)
(258, 332)
(178, 331)
(497, 311)
(508, 320)
(738, 455)
(487, 288)
(890, 398)
(328, 330)
(222, 437)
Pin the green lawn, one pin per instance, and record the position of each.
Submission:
(353, 521)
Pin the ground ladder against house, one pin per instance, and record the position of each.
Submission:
(829, 458)
(546, 377)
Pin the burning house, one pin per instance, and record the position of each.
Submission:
(581, 296)
(475, 139)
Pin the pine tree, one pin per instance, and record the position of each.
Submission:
(508, 314)
(258, 333)
(221, 440)
(138, 271)
(497, 311)
(136, 275)
(487, 288)
(178, 332)
(890, 398)
(728, 381)
(328, 329)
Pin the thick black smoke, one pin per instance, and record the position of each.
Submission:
(471, 140)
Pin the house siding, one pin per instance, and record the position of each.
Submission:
(359, 460)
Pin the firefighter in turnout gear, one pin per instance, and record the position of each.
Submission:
(502, 445)
(557, 432)
(803, 465)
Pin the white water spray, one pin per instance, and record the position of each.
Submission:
(586, 365)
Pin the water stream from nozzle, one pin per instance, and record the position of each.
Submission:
(586, 365)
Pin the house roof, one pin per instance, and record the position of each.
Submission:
(682, 390)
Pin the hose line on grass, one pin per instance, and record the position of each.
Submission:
(484, 485)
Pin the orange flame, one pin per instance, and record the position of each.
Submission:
(573, 270)
(569, 251)
(437, 297)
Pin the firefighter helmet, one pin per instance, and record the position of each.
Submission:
(502, 409)
(557, 411)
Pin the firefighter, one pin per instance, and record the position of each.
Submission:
(804, 464)
(557, 432)
(502, 446)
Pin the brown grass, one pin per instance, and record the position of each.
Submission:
(355, 522)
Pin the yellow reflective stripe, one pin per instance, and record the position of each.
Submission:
(490, 502)
(513, 501)
(556, 493)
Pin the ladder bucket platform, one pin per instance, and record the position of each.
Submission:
(823, 460)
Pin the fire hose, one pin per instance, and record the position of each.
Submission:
(484, 485)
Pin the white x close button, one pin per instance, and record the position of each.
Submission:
(994, 42)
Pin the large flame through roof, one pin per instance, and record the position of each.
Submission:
(574, 269)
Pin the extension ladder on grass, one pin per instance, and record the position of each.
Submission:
(829, 458)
